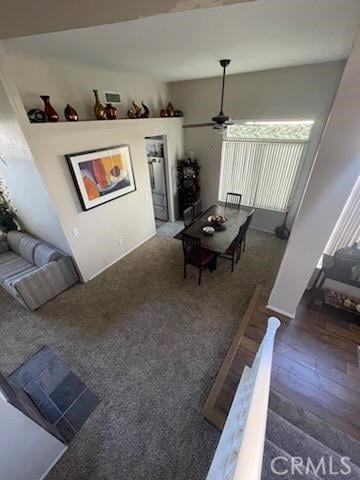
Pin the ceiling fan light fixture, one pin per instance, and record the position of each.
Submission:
(220, 118)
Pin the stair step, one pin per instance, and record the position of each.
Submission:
(338, 441)
(283, 463)
(298, 443)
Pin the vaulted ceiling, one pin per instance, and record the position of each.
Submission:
(25, 17)
(175, 46)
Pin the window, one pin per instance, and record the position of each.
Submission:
(347, 228)
(261, 160)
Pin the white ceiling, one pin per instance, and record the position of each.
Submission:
(25, 17)
(256, 36)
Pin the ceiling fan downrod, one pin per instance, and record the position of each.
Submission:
(221, 118)
(224, 63)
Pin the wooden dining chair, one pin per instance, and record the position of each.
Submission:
(233, 253)
(196, 256)
(246, 227)
(188, 215)
(197, 208)
(233, 200)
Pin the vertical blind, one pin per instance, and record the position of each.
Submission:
(264, 172)
(347, 228)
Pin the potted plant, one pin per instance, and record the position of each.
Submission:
(7, 211)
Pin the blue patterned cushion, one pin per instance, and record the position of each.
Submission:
(45, 254)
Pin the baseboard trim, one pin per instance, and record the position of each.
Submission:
(119, 258)
(282, 312)
(263, 230)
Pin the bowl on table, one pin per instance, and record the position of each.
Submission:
(208, 230)
(216, 219)
(217, 222)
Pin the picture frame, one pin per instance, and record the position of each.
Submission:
(102, 175)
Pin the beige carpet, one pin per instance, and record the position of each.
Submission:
(148, 343)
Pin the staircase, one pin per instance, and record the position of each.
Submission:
(292, 432)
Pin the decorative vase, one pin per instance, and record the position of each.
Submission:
(36, 115)
(110, 111)
(99, 110)
(50, 112)
(71, 114)
(170, 110)
(163, 113)
(146, 111)
(134, 111)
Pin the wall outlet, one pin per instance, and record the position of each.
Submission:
(75, 232)
(120, 241)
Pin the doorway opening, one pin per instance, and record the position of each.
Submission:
(156, 158)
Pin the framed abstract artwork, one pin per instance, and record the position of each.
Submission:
(102, 175)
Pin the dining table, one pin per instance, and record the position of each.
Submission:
(220, 240)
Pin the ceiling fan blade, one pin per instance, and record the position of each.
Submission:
(196, 125)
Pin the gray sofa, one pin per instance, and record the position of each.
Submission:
(33, 271)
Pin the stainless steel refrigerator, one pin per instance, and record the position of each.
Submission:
(158, 187)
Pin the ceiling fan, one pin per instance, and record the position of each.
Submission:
(220, 121)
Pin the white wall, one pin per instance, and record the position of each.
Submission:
(296, 93)
(111, 230)
(28, 192)
(27, 451)
(74, 84)
(335, 172)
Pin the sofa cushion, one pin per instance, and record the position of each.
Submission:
(13, 239)
(45, 254)
(27, 245)
(13, 266)
(4, 247)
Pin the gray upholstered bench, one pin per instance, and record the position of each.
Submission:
(33, 271)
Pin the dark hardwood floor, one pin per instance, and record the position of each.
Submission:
(314, 364)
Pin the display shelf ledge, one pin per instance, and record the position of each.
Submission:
(95, 124)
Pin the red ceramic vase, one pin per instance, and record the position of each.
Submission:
(71, 114)
(170, 110)
(50, 112)
(110, 111)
